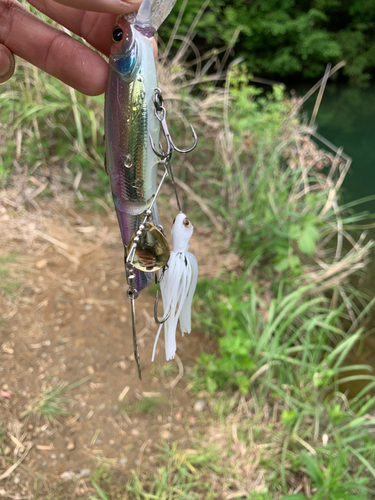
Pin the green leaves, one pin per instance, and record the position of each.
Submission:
(307, 240)
(284, 38)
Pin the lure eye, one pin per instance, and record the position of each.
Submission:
(186, 222)
(117, 35)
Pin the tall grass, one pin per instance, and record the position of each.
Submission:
(289, 316)
(47, 125)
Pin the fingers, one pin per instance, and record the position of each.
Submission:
(110, 6)
(51, 50)
(6, 64)
(95, 28)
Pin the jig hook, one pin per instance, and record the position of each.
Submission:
(161, 115)
(157, 320)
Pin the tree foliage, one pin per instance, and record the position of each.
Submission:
(288, 38)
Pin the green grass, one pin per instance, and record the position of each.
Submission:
(8, 281)
(150, 405)
(167, 369)
(52, 124)
(51, 404)
(10, 257)
(180, 475)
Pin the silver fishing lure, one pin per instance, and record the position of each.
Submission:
(134, 112)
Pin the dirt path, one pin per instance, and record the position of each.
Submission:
(64, 319)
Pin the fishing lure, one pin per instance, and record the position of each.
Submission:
(134, 113)
(177, 286)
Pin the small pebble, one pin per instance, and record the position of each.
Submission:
(135, 432)
(41, 264)
(85, 473)
(123, 461)
(70, 446)
(165, 434)
(67, 475)
(200, 405)
(53, 456)
(111, 442)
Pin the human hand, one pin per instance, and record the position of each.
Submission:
(54, 51)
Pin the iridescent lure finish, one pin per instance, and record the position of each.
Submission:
(134, 113)
(131, 130)
(130, 121)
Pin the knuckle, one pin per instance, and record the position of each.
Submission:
(8, 9)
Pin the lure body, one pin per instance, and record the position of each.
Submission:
(130, 121)
(177, 285)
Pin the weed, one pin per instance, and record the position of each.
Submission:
(101, 475)
(10, 257)
(165, 369)
(8, 283)
(99, 491)
(8, 286)
(50, 404)
(181, 475)
(101, 478)
(3, 436)
(124, 407)
(149, 405)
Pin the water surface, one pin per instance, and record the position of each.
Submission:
(347, 118)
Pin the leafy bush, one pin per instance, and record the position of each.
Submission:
(283, 38)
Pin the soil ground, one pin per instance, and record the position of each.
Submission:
(65, 319)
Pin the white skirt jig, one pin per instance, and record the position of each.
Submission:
(177, 285)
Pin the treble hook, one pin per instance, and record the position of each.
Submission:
(157, 320)
(161, 115)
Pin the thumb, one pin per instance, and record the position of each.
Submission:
(6, 64)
